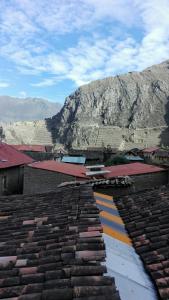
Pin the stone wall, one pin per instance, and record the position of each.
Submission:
(141, 182)
(14, 181)
(40, 181)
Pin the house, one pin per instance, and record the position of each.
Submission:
(146, 216)
(161, 157)
(11, 169)
(95, 155)
(144, 176)
(37, 152)
(147, 153)
(52, 247)
(47, 175)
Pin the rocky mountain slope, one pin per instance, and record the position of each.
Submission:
(123, 111)
(20, 109)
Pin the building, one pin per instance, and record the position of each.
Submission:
(144, 176)
(37, 152)
(51, 247)
(47, 175)
(160, 157)
(147, 153)
(11, 169)
(146, 218)
(95, 155)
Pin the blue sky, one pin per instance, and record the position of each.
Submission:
(49, 48)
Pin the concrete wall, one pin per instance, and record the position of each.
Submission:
(39, 181)
(14, 181)
(141, 182)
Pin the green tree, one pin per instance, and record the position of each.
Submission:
(117, 160)
(2, 135)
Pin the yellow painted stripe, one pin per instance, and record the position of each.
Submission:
(117, 235)
(106, 204)
(107, 197)
(111, 217)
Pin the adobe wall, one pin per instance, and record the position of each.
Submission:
(39, 181)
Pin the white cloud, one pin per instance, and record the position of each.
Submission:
(4, 84)
(45, 82)
(30, 29)
(22, 94)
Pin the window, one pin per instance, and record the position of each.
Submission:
(4, 182)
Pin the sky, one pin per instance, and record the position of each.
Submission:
(50, 48)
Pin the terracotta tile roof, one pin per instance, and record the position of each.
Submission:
(146, 216)
(131, 169)
(33, 148)
(51, 247)
(10, 157)
(55, 166)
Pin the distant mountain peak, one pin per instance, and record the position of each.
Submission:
(15, 109)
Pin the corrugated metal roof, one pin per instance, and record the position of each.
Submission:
(133, 158)
(122, 261)
(55, 166)
(34, 148)
(131, 169)
(10, 157)
(74, 159)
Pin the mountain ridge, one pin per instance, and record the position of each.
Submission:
(133, 102)
(124, 111)
(15, 109)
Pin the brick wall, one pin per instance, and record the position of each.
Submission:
(39, 181)
(141, 182)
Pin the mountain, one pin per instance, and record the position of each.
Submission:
(122, 111)
(20, 109)
(126, 111)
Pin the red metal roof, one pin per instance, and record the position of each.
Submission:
(55, 166)
(34, 148)
(10, 157)
(131, 169)
(151, 149)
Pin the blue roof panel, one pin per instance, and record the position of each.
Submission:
(74, 159)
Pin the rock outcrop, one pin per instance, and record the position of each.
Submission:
(28, 132)
(123, 111)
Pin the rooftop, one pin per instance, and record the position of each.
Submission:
(122, 261)
(134, 158)
(51, 247)
(146, 216)
(131, 169)
(150, 149)
(55, 166)
(10, 157)
(33, 148)
(74, 159)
